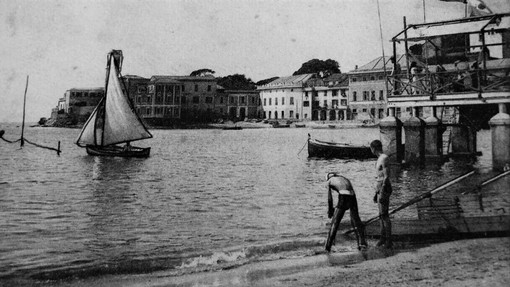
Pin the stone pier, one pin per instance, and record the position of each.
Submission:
(433, 138)
(391, 137)
(415, 139)
(500, 133)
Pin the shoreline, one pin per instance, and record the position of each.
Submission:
(469, 262)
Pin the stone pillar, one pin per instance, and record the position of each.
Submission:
(415, 139)
(433, 138)
(345, 115)
(463, 140)
(500, 131)
(390, 129)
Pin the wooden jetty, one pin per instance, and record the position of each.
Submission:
(478, 212)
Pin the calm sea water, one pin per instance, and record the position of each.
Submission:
(203, 198)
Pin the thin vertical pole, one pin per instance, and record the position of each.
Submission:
(382, 46)
(424, 17)
(22, 142)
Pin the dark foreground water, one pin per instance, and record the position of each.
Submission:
(204, 198)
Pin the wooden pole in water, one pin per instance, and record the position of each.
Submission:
(22, 141)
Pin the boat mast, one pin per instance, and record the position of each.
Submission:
(22, 140)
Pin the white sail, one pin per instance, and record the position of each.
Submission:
(121, 124)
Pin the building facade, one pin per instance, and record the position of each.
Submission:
(367, 89)
(80, 102)
(329, 97)
(238, 104)
(284, 98)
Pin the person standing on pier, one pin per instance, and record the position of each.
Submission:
(382, 193)
(346, 201)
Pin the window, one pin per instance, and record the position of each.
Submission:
(265, 102)
(221, 100)
(283, 101)
(354, 79)
(354, 96)
(373, 96)
(364, 110)
(381, 95)
(291, 100)
(209, 88)
(372, 112)
(276, 101)
(325, 103)
(283, 114)
(183, 88)
(306, 103)
(372, 78)
(334, 103)
(269, 101)
(196, 88)
(335, 93)
(196, 99)
(380, 77)
(343, 102)
(232, 100)
(291, 114)
(242, 100)
(208, 100)
(365, 95)
(364, 79)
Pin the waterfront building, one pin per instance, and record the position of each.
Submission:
(80, 102)
(329, 97)
(284, 98)
(368, 90)
(237, 104)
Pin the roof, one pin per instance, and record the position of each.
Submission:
(290, 81)
(377, 65)
(86, 89)
(160, 78)
(134, 77)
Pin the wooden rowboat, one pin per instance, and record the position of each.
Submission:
(324, 149)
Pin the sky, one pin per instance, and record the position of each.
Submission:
(62, 44)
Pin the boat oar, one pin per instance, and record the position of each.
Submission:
(492, 179)
(422, 196)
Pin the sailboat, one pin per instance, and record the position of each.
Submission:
(114, 120)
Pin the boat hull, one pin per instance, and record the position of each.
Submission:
(317, 148)
(116, 151)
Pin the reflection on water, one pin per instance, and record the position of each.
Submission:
(200, 191)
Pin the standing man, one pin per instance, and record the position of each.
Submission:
(346, 201)
(382, 193)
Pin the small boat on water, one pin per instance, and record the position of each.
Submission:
(114, 120)
(318, 148)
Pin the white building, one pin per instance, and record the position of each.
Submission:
(284, 98)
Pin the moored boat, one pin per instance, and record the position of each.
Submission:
(318, 148)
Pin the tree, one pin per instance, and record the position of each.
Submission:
(236, 82)
(327, 67)
(202, 72)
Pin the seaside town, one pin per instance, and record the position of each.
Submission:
(200, 180)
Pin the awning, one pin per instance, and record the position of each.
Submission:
(424, 31)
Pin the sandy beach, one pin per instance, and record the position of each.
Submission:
(475, 262)
(472, 262)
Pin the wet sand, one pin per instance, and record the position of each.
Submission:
(473, 262)
(476, 262)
